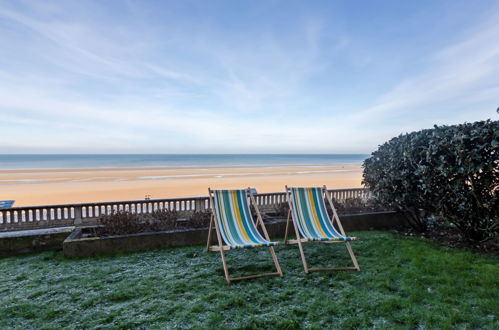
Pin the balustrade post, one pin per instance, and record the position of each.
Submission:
(78, 216)
(199, 205)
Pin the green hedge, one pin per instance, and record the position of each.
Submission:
(451, 172)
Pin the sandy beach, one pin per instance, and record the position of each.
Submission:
(44, 187)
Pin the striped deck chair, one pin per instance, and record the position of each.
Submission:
(235, 227)
(312, 223)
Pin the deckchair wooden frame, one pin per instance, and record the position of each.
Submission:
(222, 247)
(300, 240)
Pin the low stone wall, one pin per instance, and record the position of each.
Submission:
(75, 246)
(68, 238)
(26, 241)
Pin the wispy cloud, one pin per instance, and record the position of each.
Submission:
(459, 83)
(74, 81)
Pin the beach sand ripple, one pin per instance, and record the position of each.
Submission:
(43, 187)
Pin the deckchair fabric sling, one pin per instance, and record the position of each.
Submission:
(234, 218)
(235, 228)
(313, 220)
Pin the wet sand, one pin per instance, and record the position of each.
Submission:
(44, 187)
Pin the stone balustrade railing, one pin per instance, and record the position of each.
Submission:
(49, 216)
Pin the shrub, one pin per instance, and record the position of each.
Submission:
(448, 171)
(200, 219)
(463, 176)
(163, 219)
(281, 210)
(124, 222)
(391, 173)
(355, 205)
(120, 223)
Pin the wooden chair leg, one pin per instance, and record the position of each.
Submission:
(219, 238)
(287, 227)
(264, 230)
(226, 269)
(300, 247)
(304, 261)
(231, 279)
(209, 233)
(276, 261)
(354, 260)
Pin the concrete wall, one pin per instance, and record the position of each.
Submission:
(27, 241)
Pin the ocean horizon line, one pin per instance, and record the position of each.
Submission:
(179, 154)
(103, 161)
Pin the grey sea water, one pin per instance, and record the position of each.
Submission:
(21, 162)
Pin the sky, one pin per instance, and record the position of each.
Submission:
(240, 76)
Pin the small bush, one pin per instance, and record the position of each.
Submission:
(120, 223)
(200, 219)
(163, 220)
(124, 222)
(281, 210)
(355, 205)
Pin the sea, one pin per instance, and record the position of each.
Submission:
(73, 161)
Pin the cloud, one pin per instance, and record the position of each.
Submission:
(459, 77)
(78, 82)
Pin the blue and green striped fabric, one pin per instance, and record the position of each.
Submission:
(236, 224)
(313, 221)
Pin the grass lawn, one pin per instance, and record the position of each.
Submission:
(404, 282)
